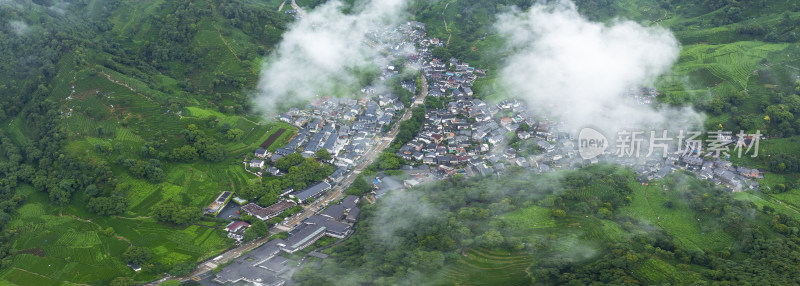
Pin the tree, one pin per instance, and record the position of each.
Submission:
(182, 268)
(360, 185)
(491, 238)
(323, 155)
(771, 37)
(256, 230)
(137, 254)
(234, 134)
(108, 205)
(186, 153)
(441, 53)
(174, 213)
(123, 281)
(779, 113)
(225, 127)
(288, 161)
(191, 133)
(267, 200)
(91, 190)
(388, 161)
(59, 196)
(214, 152)
(153, 173)
(137, 169)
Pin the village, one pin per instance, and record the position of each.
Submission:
(461, 135)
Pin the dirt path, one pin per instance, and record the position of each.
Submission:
(231, 50)
(60, 214)
(112, 80)
(48, 278)
(449, 35)
(647, 200)
(108, 76)
(300, 11)
(132, 218)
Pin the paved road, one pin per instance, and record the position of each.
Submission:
(367, 159)
(382, 142)
(300, 12)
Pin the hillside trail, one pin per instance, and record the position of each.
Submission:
(112, 80)
(61, 214)
(647, 200)
(48, 278)
(231, 50)
(449, 34)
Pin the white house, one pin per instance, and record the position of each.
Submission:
(256, 163)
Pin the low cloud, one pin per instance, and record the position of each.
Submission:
(19, 27)
(326, 52)
(583, 71)
(59, 7)
(400, 211)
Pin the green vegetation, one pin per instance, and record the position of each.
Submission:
(124, 113)
(597, 224)
(121, 120)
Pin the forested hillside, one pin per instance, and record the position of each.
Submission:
(114, 114)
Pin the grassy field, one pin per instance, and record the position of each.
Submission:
(528, 218)
(690, 229)
(489, 267)
(657, 271)
(56, 245)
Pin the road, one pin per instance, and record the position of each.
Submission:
(367, 159)
(300, 12)
(204, 269)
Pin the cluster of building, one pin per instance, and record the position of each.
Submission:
(262, 266)
(266, 266)
(335, 221)
(466, 136)
(346, 128)
(470, 136)
(719, 171)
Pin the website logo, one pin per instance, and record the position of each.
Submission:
(591, 143)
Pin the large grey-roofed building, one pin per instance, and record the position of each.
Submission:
(349, 202)
(334, 212)
(248, 267)
(311, 192)
(302, 237)
(352, 215)
(315, 142)
(330, 144)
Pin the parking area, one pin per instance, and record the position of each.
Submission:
(229, 212)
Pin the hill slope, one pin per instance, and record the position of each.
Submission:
(91, 120)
